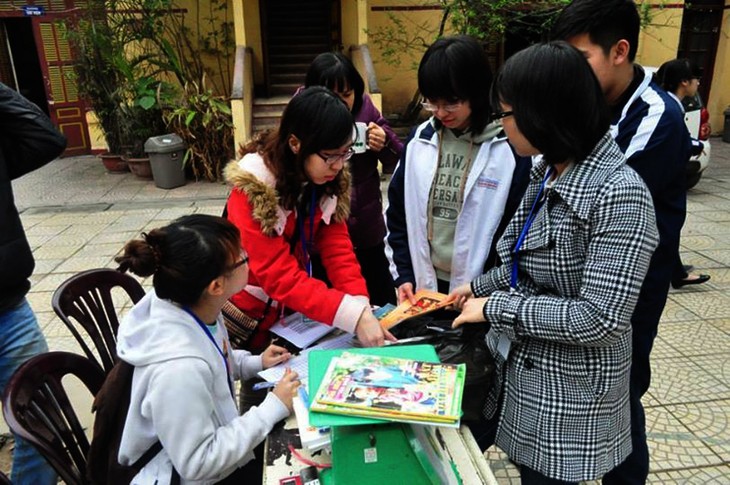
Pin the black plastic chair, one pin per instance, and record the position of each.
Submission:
(37, 408)
(87, 298)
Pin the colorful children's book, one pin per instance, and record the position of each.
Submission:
(392, 389)
(426, 301)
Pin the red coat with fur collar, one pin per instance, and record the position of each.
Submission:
(267, 230)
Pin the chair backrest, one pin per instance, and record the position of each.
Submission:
(37, 408)
(87, 298)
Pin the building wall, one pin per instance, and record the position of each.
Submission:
(659, 40)
(421, 19)
(720, 92)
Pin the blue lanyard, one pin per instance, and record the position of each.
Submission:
(215, 344)
(530, 218)
(307, 259)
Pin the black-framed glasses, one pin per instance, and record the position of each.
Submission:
(332, 159)
(498, 117)
(237, 264)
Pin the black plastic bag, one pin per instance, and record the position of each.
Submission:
(464, 345)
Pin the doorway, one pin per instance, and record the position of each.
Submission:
(19, 65)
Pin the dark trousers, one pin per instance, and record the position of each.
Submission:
(528, 476)
(374, 268)
(644, 326)
(678, 272)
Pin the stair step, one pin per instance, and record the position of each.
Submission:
(287, 78)
(297, 38)
(289, 68)
(296, 48)
(283, 89)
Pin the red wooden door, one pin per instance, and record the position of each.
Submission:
(66, 109)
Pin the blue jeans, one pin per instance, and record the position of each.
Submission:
(21, 339)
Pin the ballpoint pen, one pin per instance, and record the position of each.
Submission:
(263, 385)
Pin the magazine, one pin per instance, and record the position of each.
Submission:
(426, 301)
(392, 389)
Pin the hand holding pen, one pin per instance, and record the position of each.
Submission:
(287, 387)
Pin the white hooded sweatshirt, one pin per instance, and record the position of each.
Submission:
(180, 395)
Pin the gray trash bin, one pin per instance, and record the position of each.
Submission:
(166, 158)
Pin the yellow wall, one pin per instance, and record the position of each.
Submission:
(720, 94)
(659, 40)
(248, 33)
(399, 83)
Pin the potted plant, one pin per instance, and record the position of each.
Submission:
(96, 49)
(140, 118)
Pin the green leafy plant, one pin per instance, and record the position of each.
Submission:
(204, 121)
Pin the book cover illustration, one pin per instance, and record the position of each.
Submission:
(426, 301)
(392, 388)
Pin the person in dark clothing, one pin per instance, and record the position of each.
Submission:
(649, 128)
(365, 224)
(28, 141)
(680, 79)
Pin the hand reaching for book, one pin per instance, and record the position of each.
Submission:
(472, 312)
(405, 292)
(460, 295)
(369, 332)
(287, 387)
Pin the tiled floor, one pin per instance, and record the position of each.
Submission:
(77, 217)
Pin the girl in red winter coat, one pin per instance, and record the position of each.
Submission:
(290, 199)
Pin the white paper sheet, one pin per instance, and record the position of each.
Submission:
(299, 363)
(300, 331)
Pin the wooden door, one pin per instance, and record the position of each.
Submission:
(699, 36)
(66, 109)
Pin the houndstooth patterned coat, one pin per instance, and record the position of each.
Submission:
(565, 379)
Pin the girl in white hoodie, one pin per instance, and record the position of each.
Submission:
(182, 390)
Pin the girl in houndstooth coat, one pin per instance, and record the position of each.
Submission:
(574, 257)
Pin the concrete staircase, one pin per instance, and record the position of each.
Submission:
(267, 112)
(296, 31)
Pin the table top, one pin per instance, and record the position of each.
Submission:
(458, 444)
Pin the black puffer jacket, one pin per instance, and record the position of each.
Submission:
(28, 140)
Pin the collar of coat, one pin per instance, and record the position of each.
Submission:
(578, 186)
(251, 176)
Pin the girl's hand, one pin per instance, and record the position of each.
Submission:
(472, 312)
(369, 332)
(376, 137)
(460, 295)
(287, 387)
(274, 355)
(405, 292)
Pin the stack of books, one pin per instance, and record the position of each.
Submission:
(313, 438)
(392, 389)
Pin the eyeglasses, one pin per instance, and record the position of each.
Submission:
(237, 264)
(332, 159)
(498, 117)
(449, 108)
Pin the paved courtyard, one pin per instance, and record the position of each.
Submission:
(78, 217)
